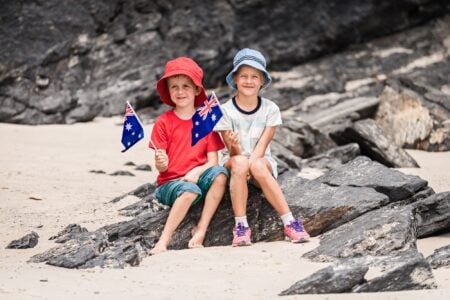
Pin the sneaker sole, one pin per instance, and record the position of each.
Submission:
(301, 240)
(240, 244)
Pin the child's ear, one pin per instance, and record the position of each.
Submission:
(198, 90)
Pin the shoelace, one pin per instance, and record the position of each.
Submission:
(240, 229)
(297, 225)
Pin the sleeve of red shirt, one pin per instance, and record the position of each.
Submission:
(214, 142)
(159, 134)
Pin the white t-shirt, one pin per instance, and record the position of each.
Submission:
(250, 126)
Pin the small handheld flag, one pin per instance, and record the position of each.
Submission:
(205, 118)
(133, 131)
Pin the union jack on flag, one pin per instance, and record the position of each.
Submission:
(205, 118)
(133, 131)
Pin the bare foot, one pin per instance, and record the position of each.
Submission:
(160, 247)
(197, 238)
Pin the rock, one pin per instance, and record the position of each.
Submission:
(93, 60)
(440, 257)
(397, 271)
(334, 158)
(27, 241)
(68, 233)
(141, 191)
(97, 171)
(323, 208)
(376, 233)
(375, 144)
(432, 214)
(364, 172)
(410, 272)
(330, 280)
(143, 167)
(121, 173)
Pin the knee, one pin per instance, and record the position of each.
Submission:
(188, 197)
(239, 165)
(259, 168)
(221, 179)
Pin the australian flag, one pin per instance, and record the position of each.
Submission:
(205, 118)
(133, 131)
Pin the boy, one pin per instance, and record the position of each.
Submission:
(187, 174)
(247, 127)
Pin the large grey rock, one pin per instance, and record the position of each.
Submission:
(410, 272)
(376, 233)
(323, 207)
(330, 280)
(440, 257)
(29, 240)
(432, 214)
(375, 144)
(90, 56)
(333, 158)
(363, 172)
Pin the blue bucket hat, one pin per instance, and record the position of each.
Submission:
(252, 58)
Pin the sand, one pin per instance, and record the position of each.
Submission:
(46, 184)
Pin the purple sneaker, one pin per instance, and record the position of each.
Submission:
(295, 232)
(241, 235)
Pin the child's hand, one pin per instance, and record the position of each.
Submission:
(233, 139)
(161, 160)
(192, 176)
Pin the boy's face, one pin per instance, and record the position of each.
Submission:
(182, 90)
(248, 80)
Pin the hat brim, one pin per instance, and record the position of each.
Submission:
(253, 64)
(164, 95)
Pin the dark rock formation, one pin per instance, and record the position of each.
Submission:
(321, 206)
(121, 173)
(407, 270)
(433, 214)
(375, 143)
(68, 233)
(332, 279)
(363, 172)
(440, 257)
(27, 241)
(414, 121)
(411, 272)
(90, 56)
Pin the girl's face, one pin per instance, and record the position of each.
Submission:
(248, 81)
(182, 90)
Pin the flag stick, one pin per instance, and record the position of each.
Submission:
(153, 144)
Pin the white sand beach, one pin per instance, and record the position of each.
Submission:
(46, 184)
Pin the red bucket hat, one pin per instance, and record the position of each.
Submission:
(181, 66)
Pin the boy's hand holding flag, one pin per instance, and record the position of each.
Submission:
(133, 131)
(205, 118)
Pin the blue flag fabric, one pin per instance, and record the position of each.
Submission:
(205, 118)
(133, 131)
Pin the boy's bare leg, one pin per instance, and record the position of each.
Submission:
(262, 174)
(176, 215)
(212, 201)
(238, 166)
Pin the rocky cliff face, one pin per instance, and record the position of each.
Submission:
(69, 61)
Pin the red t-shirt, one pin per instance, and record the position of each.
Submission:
(175, 135)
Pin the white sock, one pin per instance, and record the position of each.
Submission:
(242, 220)
(287, 218)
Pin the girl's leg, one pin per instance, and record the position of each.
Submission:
(212, 201)
(239, 167)
(261, 172)
(176, 215)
